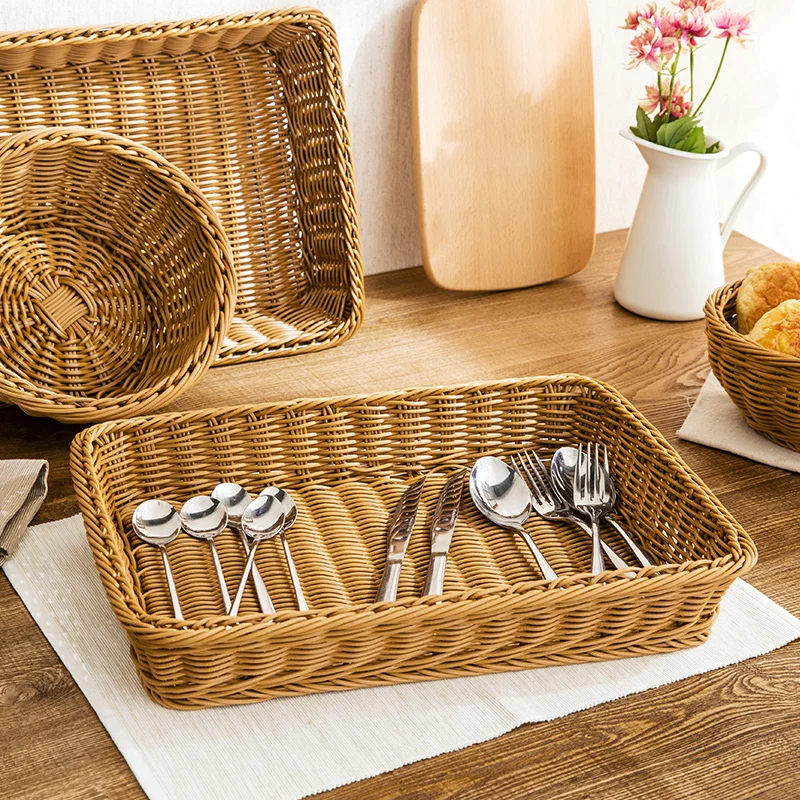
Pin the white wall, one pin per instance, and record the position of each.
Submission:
(755, 99)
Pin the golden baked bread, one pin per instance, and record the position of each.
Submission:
(764, 288)
(779, 329)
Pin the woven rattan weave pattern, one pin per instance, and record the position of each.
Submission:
(764, 384)
(346, 461)
(251, 107)
(117, 283)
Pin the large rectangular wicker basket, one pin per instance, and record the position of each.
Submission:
(346, 462)
(252, 108)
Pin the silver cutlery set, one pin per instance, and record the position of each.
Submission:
(577, 488)
(269, 515)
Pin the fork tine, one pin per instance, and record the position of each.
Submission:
(541, 480)
(532, 485)
(580, 474)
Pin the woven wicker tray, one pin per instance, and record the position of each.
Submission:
(251, 108)
(346, 462)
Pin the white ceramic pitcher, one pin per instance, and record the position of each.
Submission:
(673, 256)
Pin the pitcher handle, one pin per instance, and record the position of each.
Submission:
(735, 152)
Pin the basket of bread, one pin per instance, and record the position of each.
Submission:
(753, 329)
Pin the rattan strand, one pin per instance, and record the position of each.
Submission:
(346, 461)
(117, 283)
(251, 107)
(763, 384)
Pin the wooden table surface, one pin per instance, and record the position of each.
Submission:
(730, 734)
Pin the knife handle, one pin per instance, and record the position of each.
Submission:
(390, 582)
(435, 581)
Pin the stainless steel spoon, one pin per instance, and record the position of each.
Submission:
(502, 496)
(157, 522)
(236, 498)
(290, 515)
(204, 518)
(562, 470)
(262, 519)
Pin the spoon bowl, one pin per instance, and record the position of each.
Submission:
(502, 496)
(500, 492)
(234, 499)
(203, 517)
(156, 522)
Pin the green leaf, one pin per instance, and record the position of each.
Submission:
(645, 125)
(695, 142)
(673, 133)
(713, 148)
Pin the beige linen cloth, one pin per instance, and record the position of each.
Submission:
(23, 486)
(288, 748)
(714, 421)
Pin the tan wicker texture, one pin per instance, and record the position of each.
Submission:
(251, 107)
(117, 283)
(346, 462)
(764, 384)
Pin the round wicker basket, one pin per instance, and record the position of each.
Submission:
(764, 385)
(117, 283)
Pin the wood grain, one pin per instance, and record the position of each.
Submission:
(732, 734)
(504, 158)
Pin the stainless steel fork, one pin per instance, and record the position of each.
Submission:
(548, 504)
(591, 494)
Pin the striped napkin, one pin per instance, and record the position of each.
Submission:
(23, 486)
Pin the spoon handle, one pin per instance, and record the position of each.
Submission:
(223, 586)
(251, 557)
(643, 559)
(173, 592)
(264, 600)
(544, 566)
(298, 590)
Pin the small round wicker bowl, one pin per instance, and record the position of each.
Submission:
(117, 283)
(764, 385)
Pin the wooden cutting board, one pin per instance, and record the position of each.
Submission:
(504, 140)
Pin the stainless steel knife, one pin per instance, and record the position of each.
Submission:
(444, 523)
(399, 532)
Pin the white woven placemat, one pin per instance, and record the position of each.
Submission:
(293, 747)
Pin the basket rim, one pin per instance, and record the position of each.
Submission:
(718, 325)
(142, 625)
(154, 29)
(72, 408)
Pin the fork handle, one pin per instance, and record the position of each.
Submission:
(547, 571)
(643, 559)
(612, 555)
(598, 565)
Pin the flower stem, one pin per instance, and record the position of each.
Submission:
(716, 75)
(673, 70)
(691, 74)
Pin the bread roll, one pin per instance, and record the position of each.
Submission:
(779, 329)
(763, 289)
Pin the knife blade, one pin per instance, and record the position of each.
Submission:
(397, 535)
(442, 527)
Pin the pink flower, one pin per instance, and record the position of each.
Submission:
(638, 15)
(700, 5)
(651, 47)
(733, 25)
(690, 25)
(655, 102)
